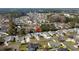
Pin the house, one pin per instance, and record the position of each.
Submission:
(54, 44)
(37, 28)
(6, 43)
(72, 40)
(37, 37)
(46, 36)
(21, 20)
(49, 44)
(62, 49)
(3, 34)
(50, 33)
(67, 15)
(62, 39)
(33, 46)
(11, 38)
(27, 39)
(22, 41)
(4, 24)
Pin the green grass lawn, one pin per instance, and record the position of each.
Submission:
(70, 43)
(23, 47)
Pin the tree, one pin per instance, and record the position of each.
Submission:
(72, 24)
(12, 30)
(55, 18)
(74, 19)
(52, 27)
(22, 32)
(44, 27)
(48, 27)
(1, 40)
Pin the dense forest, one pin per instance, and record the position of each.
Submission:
(44, 10)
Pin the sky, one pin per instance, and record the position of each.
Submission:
(39, 3)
